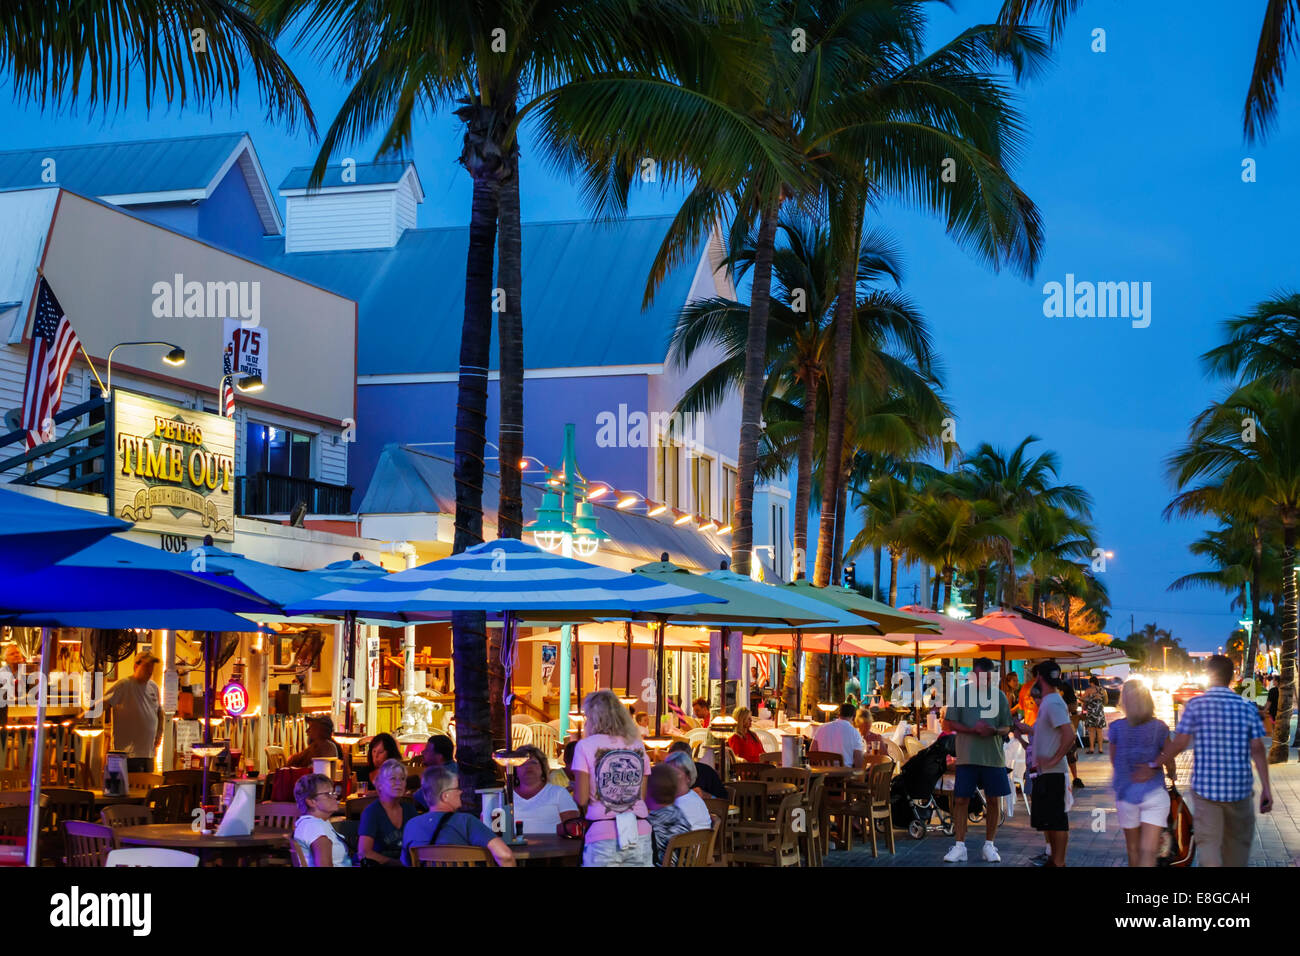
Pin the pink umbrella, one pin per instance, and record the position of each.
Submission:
(1046, 641)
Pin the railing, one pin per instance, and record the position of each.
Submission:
(267, 494)
(80, 469)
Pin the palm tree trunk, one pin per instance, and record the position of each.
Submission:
(1038, 598)
(845, 310)
(510, 428)
(875, 579)
(751, 393)
(1256, 562)
(803, 481)
(841, 505)
(982, 579)
(469, 638)
(1281, 748)
(1067, 613)
(893, 578)
(790, 688)
(947, 586)
(934, 591)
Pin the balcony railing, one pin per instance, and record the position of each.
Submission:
(268, 494)
(74, 462)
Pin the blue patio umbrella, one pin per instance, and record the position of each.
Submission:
(35, 532)
(174, 619)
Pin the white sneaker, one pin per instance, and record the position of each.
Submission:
(991, 853)
(957, 854)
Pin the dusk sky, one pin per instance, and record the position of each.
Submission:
(1134, 157)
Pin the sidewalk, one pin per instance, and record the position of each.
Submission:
(1095, 839)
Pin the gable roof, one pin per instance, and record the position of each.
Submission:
(583, 287)
(388, 172)
(131, 173)
(411, 481)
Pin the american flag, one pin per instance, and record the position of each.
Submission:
(764, 669)
(53, 345)
(227, 382)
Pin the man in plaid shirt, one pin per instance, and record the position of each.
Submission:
(1227, 735)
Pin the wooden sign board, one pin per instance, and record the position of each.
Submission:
(173, 469)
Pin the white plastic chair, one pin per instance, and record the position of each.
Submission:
(770, 743)
(546, 739)
(150, 856)
(882, 727)
(520, 719)
(928, 737)
(1014, 754)
(520, 736)
(697, 736)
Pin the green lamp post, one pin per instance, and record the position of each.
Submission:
(566, 523)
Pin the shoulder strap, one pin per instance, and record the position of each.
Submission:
(437, 829)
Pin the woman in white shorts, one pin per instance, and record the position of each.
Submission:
(1141, 801)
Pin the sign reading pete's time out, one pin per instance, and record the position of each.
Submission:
(173, 468)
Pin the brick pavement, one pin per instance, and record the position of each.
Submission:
(1276, 843)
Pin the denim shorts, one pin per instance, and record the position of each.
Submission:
(607, 853)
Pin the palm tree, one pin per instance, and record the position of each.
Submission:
(884, 501)
(86, 54)
(480, 61)
(1263, 343)
(1277, 37)
(1248, 445)
(1049, 539)
(951, 532)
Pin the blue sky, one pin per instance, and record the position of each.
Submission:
(1134, 157)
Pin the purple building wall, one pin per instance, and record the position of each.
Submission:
(414, 414)
(228, 217)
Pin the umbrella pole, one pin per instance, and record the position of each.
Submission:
(627, 673)
(38, 748)
(566, 669)
(798, 672)
(577, 650)
(916, 683)
(659, 679)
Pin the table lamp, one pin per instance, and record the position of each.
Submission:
(508, 760)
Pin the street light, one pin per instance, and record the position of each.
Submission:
(174, 357)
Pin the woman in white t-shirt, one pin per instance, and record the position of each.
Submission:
(318, 799)
(610, 768)
(540, 806)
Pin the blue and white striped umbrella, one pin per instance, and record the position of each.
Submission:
(504, 576)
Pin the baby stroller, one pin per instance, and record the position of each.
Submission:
(914, 803)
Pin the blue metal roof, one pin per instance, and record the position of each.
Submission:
(116, 169)
(368, 174)
(583, 286)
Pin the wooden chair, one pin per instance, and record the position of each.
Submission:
(846, 800)
(814, 831)
(452, 856)
(878, 778)
(795, 775)
(748, 771)
(719, 810)
(750, 798)
(772, 759)
(13, 779)
(168, 803)
(125, 815)
(63, 805)
(770, 843)
(825, 758)
(86, 844)
(150, 856)
(296, 856)
(275, 816)
(192, 780)
(274, 758)
(874, 760)
(145, 780)
(689, 849)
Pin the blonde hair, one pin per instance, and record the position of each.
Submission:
(606, 714)
(741, 714)
(1135, 700)
(394, 772)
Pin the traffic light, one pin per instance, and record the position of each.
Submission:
(850, 578)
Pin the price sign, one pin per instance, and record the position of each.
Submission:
(248, 349)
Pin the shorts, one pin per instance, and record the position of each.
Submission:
(1154, 808)
(1047, 802)
(992, 780)
(607, 853)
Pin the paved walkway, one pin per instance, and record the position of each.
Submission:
(1095, 838)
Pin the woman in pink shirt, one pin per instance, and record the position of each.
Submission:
(611, 767)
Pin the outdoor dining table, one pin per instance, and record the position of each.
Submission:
(855, 773)
(135, 795)
(547, 849)
(181, 836)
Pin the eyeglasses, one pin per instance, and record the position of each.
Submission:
(328, 793)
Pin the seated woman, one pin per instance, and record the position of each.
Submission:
(382, 747)
(688, 801)
(744, 743)
(540, 806)
(318, 800)
(873, 740)
(382, 823)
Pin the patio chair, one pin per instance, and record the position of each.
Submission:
(719, 809)
(13, 821)
(275, 816)
(928, 737)
(770, 843)
(546, 739)
(145, 780)
(451, 856)
(63, 805)
(296, 856)
(13, 779)
(814, 833)
(151, 856)
(748, 771)
(896, 754)
(125, 815)
(912, 746)
(825, 758)
(882, 727)
(168, 803)
(520, 736)
(689, 849)
(357, 805)
(771, 744)
(86, 844)
(192, 780)
(878, 778)
(750, 799)
(846, 800)
(772, 758)
(795, 775)
(274, 758)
